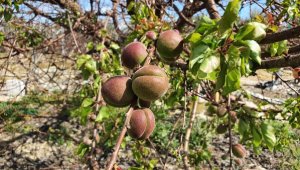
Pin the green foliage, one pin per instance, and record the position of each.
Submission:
(1, 37)
(268, 134)
(278, 48)
(15, 111)
(7, 8)
(141, 155)
(291, 111)
(230, 16)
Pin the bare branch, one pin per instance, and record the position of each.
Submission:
(283, 35)
(212, 9)
(183, 16)
(189, 130)
(119, 141)
(289, 61)
(188, 11)
(115, 18)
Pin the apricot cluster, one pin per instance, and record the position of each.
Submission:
(148, 83)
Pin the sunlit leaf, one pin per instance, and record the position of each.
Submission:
(198, 54)
(104, 112)
(257, 138)
(268, 134)
(82, 59)
(255, 50)
(91, 65)
(230, 16)
(210, 63)
(232, 81)
(282, 47)
(87, 102)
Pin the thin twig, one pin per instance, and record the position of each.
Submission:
(153, 147)
(287, 84)
(229, 130)
(119, 141)
(188, 132)
(184, 107)
(183, 16)
(73, 34)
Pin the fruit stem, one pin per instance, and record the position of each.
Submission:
(120, 139)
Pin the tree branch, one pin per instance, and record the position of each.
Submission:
(115, 18)
(188, 11)
(283, 35)
(289, 61)
(189, 130)
(119, 141)
(211, 8)
(183, 16)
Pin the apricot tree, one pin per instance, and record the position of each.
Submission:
(164, 55)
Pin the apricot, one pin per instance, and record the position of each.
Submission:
(150, 83)
(134, 54)
(233, 116)
(239, 151)
(117, 91)
(142, 123)
(169, 45)
(222, 128)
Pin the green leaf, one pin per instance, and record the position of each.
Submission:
(244, 31)
(1, 36)
(230, 15)
(233, 57)
(243, 127)
(91, 65)
(104, 112)
(194, 37)
(257, 138)
(232, 81)
(114, 46)
(198, 54)
(82, 59)
(273, 49)
(282, 47)
(210, 63)
(99, 47)
(205, 24)
(82, 113)
(221, 77)
(268, 134)
(87, 102)
(131, 6)
(254, 50)
(90, 46)
(85, 73)
(7, 14)
(252, 31)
